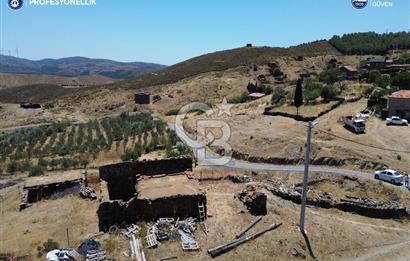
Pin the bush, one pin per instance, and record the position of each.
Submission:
(172, 112)
(244, 97)
(12, 166)
(312, 90)
(330, 75)
(25, 166)
(401, 80)
(328, 93)
(374, 76)
(368, 91)
(35, 171)
(383, 81)
(131, 154)
(278, 96)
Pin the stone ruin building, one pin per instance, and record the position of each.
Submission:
(148, 190)
(45, 187)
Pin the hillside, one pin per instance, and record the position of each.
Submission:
(38, 93)
(16, 79)
(223, 60)
(76, 66)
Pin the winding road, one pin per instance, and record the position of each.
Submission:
(207, 158)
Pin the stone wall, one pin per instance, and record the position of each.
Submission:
(121, 177)
(118, 212)
(361, 206)
(45, 191)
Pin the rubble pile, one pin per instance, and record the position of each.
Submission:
(362, 206)
(255, 201)
(87, 192)
(169, 228)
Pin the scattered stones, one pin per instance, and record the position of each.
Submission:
(297, 252)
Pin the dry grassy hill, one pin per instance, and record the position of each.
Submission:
(222, 60)
(15, 79)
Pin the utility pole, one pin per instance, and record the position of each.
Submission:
(305, 178)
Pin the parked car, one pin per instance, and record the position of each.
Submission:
(396, 120)
(389, 175)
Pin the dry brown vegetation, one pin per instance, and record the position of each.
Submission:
(335, 235)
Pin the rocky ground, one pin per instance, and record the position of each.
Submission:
(334, 234)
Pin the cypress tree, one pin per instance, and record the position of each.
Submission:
(298, 95)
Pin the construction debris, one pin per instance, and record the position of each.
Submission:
(239, 241)
(136, 250)
(129, 230)
(166, 228)
(63, 255)
(91, 250)
(187, 242)
(87, 192)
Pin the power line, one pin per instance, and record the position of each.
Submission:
(363, 144)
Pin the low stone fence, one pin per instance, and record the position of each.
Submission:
(328, 161)
(362, 206)
(340, 101)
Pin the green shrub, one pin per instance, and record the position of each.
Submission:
(25, 166)
(312, 90)
(12, 166)
(328, 93)
(35, 171)
(244, 97)
(383, 81)
(172, 112)
(278, 96)
(401, 80)
(330, 75)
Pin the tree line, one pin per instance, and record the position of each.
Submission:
(370, 43)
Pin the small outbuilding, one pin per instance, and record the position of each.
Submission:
(142, 98)
(29, 105)
(399, 104)
(349, 71)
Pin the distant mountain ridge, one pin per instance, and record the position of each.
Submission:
(77, 66)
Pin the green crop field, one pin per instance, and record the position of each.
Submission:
(64, 146)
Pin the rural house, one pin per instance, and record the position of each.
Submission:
(376, 63)
(399, 104)
(348, 71)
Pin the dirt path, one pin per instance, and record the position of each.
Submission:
(400, 251)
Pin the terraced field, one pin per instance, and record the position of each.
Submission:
(63, 145)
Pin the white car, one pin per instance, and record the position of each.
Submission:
(389, 175)
(396, 120)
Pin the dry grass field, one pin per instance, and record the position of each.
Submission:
(334, 235)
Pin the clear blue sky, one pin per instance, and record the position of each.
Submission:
(170, 31)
